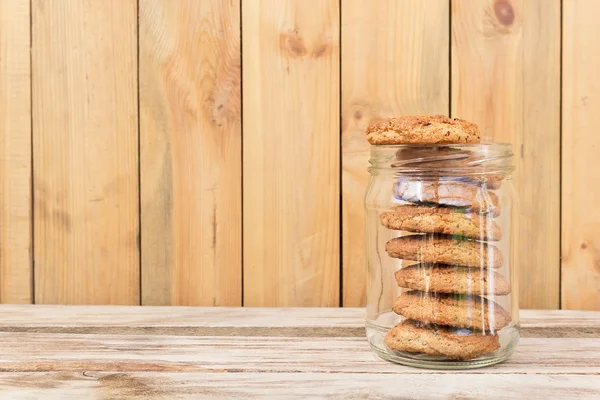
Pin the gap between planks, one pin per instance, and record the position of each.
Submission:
(526, 332)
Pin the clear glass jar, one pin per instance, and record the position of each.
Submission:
(442, 277)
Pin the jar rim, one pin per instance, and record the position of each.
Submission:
(447, 145)
(452, 159)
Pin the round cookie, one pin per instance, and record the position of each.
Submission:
(463, 311)
(415, 337)
(450, 221)
(445, 250)
(476, 198)
(441, 278)
(435, 129)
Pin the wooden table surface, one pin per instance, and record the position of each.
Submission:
(103, 352)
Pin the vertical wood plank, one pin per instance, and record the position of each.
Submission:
(395, 61)
(506, 78)
(15, 153)
(190, 132)
(85, 146)
(580, 148)
(291, 152)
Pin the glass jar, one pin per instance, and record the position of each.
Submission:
(442, 277)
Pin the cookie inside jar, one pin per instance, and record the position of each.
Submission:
(441, 290)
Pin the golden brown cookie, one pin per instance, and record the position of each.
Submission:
(461, 344)
(435, 129)
(446, 220)
(475, 198)
(442, 278)
(464, 311)
(445, 250)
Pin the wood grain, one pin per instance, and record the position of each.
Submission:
(580, 162)
(15, 153)
(67, 319)
(85, 147)
(166, 316)
(145, 363)
(506, 78)
(291, 152)
(190, 133)
(72, 352)
(394, 62)
(202, 385)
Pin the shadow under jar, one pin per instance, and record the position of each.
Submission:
(442, 273)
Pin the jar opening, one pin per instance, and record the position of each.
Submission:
(442, 160)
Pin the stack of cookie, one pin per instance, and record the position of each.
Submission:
(452, 230)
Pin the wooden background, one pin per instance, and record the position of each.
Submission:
(211, 152)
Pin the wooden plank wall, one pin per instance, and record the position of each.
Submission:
(15, 153)
(190, 152)
(85, 151)
(506, 78)
(209, 152)
(291, 152)
(385, 72)
(580, 161)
